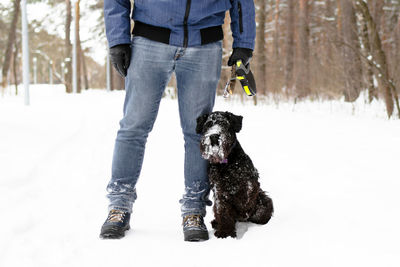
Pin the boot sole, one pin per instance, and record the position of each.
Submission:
(113, 232)
(195, 236)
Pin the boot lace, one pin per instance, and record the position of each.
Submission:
(116, 216)
(193, 221)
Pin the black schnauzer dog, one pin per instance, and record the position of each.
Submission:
(233, 178)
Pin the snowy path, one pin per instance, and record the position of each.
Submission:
(333, 176)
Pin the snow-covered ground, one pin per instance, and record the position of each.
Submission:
(331, 168)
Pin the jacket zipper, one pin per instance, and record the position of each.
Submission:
(240, 17)
(185, 23)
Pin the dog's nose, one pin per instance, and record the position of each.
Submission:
(214, 138)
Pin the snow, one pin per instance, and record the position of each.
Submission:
(332, 169)
(215, 129)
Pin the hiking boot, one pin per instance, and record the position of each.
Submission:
(116, 224)
(194, 228)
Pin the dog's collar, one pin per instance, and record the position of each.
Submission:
(225, 161)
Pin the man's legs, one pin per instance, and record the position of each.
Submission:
(151, 67)
(197, 71)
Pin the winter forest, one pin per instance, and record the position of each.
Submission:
(322, 131)
(304, 49)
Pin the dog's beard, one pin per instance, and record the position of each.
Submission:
(215, 153)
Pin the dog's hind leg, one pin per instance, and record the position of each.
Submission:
(264, 209)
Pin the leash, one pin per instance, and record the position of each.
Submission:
(230, 84)
(242, 73)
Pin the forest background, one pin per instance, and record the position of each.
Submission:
(305, 49)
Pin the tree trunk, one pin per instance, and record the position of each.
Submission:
(118, 80)
(303, 78)
(330, 46)
(367, 53)
(290, 46)
(226, 51)
(351, 59)
(276, 30)
(260, 50)
(385, 83)
(397, 52)
(78, 46)
(277, 82)
(85, 73)
(377, 8)
(15, 67)
(10, 42)
(330, 35)
(112, 74)
(68, 48)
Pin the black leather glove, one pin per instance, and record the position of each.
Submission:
(120, 56)
(244, 54)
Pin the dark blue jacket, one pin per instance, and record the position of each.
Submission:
(184, 19)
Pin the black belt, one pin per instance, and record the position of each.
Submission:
(160, 34)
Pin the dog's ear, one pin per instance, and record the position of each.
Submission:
(200, 123)
(236, 122)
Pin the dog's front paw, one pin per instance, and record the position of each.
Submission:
(223, 234)
(220, 234)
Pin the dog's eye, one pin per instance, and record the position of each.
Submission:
(208, 124)
(224, 124)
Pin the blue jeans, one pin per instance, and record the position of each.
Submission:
(197, 71)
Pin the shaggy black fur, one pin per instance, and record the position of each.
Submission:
(233, 178)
